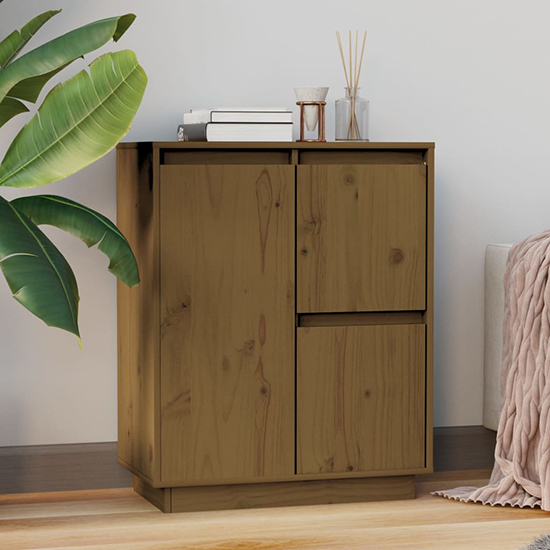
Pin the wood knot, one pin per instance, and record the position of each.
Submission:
(249, 346)
(303, 252)
(277, 204)
(263, 390)
(397, 255)
(349, 179)
(367, 394)
(179, 405)
(262, 332)
(350, 468)
(307, 227)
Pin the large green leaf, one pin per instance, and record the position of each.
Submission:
(46, 60)
(80, 121)
(14, 43)
(9, 108)
(29, 89)
(86, 224)
(37, 273)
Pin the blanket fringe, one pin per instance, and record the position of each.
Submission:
(456, 494)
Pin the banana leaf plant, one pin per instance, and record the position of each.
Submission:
(79, 121)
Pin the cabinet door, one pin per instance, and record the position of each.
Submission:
(227, 322)
(361, 398)
(361, 238)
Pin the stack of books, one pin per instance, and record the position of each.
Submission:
(250, 124)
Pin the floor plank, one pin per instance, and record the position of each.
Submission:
(118, 519)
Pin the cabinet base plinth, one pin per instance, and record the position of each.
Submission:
(161, 498)
(264, 495)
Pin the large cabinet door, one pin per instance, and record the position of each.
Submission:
(361, 238)
(227, 257)
(361, 398)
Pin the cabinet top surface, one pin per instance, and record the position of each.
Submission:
(279, 145)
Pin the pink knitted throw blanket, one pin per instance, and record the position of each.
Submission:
(521, 475)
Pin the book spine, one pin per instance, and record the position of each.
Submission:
(192, 132)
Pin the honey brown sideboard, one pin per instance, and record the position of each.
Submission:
(278, 350)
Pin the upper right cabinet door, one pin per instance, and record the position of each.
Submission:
(361, 233)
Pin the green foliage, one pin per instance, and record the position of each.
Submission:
(37, 273)
(9, 108)
(79, 121)
(86, 224)
(14, 43)
(25, 77)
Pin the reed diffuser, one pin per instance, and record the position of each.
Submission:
(352, 111)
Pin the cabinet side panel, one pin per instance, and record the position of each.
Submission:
(137, 312)
(227, 322)
(429, 313)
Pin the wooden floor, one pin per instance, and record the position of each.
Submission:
(118, 519)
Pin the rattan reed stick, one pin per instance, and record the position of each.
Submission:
(342, 56)
(355, 64)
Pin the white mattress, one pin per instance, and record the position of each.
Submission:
(496, 256)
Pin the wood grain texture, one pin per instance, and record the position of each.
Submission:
(361, 233)
(429, 158)
(137, 314)
(227, 307)
(174, 483)
(122, 520)
(294, 493)
(360, 398)
(223, 229)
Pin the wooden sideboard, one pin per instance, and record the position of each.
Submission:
(278, 350)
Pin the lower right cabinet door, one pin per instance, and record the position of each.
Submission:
(360, 399)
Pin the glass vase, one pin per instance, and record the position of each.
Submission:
(352, 117)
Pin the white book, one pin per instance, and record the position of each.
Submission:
(243, 114)
(238, 109)
(224, 131)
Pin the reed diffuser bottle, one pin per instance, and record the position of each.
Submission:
(352, 111)
(352, 117)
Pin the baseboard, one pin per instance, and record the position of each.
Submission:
(36, 469)
(463, 448)
(40, 468)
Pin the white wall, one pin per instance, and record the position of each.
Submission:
(471, 76)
